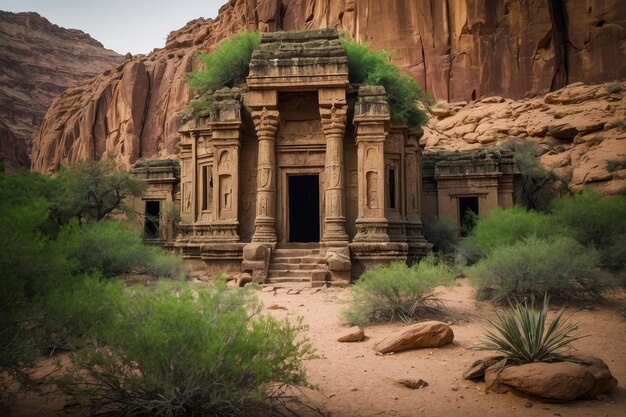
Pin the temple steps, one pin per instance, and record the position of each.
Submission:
(296, 263)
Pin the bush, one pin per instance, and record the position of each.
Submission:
(188, 353)
(504, 227)
(561, 268)
(539, 185)
(227, 65)
(397, 292)
(593, 218)
(442, 234)
(522, 335)
(374, 68)
(113, 248)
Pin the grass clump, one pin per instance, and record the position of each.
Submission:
(522, 334)
(227, 65)
(615, 164)
(375, 68)
(188, 352)
(397, 292)
(560, 267)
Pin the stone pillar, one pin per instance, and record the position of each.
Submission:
(266, 119)
(333, 108)
(371, 119)
(418, 246)
(225, 121)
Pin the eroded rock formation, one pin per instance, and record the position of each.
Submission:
(580, 130)
(455, 49)
(38, 61)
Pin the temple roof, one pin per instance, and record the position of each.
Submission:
(299, 61)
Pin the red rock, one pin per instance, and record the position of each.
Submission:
(353, 334)
(420, 335)
(562, 381)
(39, 60)
(446, 46)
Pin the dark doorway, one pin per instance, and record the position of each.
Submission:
(304, 208)
(468, 213)
(151, 225)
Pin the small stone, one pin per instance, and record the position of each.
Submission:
(528, 404)
(353, 389)
(353, 334)
(454, 388)
(276, 307)
(413, 383)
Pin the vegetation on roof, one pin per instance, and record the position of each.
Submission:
(370, 67)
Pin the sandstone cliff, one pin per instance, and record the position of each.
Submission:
(38, 61)
(455, 49)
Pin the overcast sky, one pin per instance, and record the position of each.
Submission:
(136, 26)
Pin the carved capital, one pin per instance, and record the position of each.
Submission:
(334, 118)
(266, 123)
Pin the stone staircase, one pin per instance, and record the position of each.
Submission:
(297, 265)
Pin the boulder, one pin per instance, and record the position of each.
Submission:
(422, 335)
(561, 381)
(353, 334)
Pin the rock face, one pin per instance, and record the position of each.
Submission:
(579, 130)
(420, 335)
(447, 46)
(38, 61)
(562, 381)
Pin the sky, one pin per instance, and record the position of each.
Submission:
(135, 26)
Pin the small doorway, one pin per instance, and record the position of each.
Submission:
(468, 213)
(151, 224)
(304, 208)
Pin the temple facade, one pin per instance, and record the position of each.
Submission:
(299, 176)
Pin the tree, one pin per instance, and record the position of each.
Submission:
(91, 190)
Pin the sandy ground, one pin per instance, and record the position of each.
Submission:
(354, 381)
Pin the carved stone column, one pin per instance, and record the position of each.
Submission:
(333, 108)
(226, 127)
(266, 120)
(418, 246)
(371, 119)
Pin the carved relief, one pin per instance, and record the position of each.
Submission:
(371, 179)
(225, 162)
(225, 192)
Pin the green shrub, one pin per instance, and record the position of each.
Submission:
(522, 334)
(227, 65)
(113, 248)
(188, 353)
(397, 292)
(594, 220)
(442, 234)
(375, 68)
(560, 267)
(504, 227)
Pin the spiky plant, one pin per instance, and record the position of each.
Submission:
(522, 336)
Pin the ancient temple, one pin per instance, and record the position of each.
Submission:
(298, 176)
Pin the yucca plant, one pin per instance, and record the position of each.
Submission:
(522, 335)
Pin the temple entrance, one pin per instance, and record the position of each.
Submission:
(151, 225)
(468, 212)
(304, 208)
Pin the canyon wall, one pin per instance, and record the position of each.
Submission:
(455, 49)
(38, 61)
